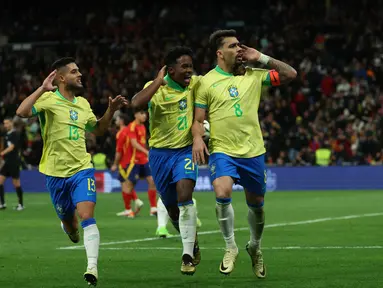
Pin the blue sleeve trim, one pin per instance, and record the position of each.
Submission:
(203, 106)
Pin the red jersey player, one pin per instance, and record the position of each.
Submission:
(132, 156)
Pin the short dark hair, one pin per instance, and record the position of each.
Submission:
(216, 38)
(62, 62)
(138, 110)
(176, 52)
(9, 118)
(125, 118)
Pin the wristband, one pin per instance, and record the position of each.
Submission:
(264, 59)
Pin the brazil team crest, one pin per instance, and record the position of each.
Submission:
(233, 91)
(183, 104)
(73, 115)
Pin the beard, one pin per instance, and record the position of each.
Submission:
(239, 69)
(75, 89)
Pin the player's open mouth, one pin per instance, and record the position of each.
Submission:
(79, 81)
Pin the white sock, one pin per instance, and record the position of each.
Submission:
(162, 214)
(225, 217)
(91, 243)
(256, 219)
(188, 227)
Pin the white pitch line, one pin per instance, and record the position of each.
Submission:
(263, 248)
(237, 229)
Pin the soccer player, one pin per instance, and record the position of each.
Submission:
(136, 163)
(171, 97)
(64, 119)
(121, 161)
(12, 161)
(231, 93)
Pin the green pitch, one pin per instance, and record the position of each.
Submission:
(312, 239)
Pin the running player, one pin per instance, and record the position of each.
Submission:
(122, 160)
(231, 94)
(170, 97)
(11, 166)
(64, 118)
(136, 163)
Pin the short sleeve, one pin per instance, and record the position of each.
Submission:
(132, 133)
(91, 122)
(201, 96)
(41, 104)
(147, 84)
(121, 141)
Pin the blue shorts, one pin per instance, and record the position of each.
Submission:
(133, 172)
(67, 192)
(170, 166)
(250, 173)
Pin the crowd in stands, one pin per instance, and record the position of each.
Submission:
(335, 103)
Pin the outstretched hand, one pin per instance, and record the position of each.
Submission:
(48, 82)
(117, 103)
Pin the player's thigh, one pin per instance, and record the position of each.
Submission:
(60, 197)
(83, 191)
(160, 161)
(146, 173)
(223, 174)
(253, 179)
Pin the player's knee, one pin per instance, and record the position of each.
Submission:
(222, 191)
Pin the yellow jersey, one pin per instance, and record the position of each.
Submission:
(63, 124)
(232, 102)
(171, 114)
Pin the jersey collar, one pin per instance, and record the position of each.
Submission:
(57, 92)
(219, 70)
(173, 84)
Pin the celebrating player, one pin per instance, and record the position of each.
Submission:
(135, 165)
(64, 118)
(170, 97)
(231, 93)
(11, 166)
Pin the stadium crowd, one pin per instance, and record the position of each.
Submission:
(336, 102)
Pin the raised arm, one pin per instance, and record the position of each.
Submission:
(143, 97)
(286, 73)
(25, 108)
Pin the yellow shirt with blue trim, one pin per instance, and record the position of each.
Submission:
(232, 102)
(63, 124)
(171, 114)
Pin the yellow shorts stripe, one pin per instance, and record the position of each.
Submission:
(125, 173)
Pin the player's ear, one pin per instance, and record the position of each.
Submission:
(171, 70)
(219, 54)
